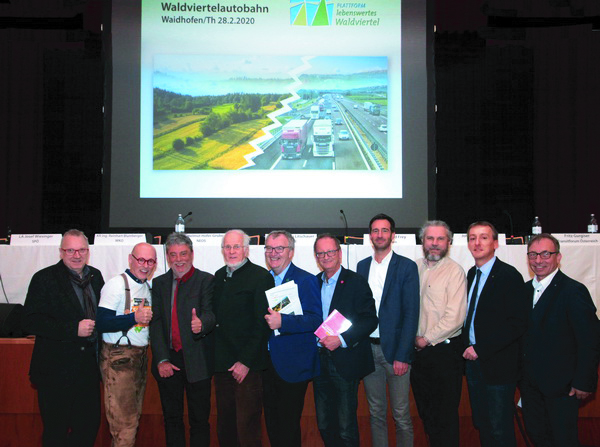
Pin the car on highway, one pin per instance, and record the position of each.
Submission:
(338, 121)
(356, 106)
(383, 128)
(343, 135)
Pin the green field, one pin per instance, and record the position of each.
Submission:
(222, 150)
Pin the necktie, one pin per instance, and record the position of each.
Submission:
(175, 335)
(469, 319)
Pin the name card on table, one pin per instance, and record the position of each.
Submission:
(305, 239)
(35, 239)
(400, 239)
(119, 239)
(207, 239)
(578, 238)
(461, 239)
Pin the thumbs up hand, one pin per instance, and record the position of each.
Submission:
(196, 322)
(273, 319)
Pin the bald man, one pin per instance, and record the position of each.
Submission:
(124, 312)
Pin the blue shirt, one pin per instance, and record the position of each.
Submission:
(327, 290)
(279, 278)
(485, 273)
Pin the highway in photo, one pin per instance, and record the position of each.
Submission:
(354, 130)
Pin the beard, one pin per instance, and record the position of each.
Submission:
(236, 265)
(434, 257)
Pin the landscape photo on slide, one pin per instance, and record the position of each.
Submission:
(215, 112)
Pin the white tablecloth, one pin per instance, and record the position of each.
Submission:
(18, 263)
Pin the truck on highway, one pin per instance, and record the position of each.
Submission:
(367, 106)
(375, 109)
(293, 138)
(322, 139)
(314, 112)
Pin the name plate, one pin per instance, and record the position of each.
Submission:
(578, 238)
(400, 239)
(461, 239)
(36, 239)
(208, 239)
(119, 239)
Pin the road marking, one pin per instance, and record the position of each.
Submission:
(304, 164)
(333, 165)
(275, 164)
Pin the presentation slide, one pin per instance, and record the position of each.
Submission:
(236, 103)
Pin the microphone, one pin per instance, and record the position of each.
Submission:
(187, 215)
(346, 228)
(512, 230)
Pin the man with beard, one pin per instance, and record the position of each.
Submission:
(394, 281)
(437, 368)
(240, 342)
(181, 342)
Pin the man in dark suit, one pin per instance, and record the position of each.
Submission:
(60, 311)
(293, 358)
(561, 348)
(346, 357)
(240, 342)
(496, 320)
(394, 281)
(181, 342)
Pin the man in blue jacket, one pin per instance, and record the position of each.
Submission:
(293, 358)
(394, 281)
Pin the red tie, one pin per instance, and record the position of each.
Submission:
(175, 335)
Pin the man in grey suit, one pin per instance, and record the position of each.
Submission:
(181, 343)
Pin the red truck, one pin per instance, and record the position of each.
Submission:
(293, 139)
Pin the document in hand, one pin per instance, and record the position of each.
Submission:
(285, 299)
(334, 324)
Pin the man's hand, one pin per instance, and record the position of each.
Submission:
(196, 322)
(421, 343)
(400, 368)
(579, 394)
(143, 315)
(470, 353)
(273, 319)
(239, 371)
(86, 327)
(166, 369)
(331, 342)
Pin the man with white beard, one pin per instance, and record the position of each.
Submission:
(241, 335)
(438, 366)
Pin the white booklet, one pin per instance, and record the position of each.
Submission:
(285, 299)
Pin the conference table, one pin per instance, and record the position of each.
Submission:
(20, 423)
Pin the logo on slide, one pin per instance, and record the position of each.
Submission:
(311, 13)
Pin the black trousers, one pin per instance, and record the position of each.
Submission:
(436, 380)
(171, 391)
(70, 409)
(283, 403)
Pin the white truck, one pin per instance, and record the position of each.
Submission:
(322, 138)
(314, 112)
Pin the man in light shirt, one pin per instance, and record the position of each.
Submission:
(437, 368)
(394, 281)
(560, 349)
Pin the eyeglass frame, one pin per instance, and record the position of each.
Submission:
(532, 255)
(328, 253)
(142, 261)
(280, 249)
(81, 251)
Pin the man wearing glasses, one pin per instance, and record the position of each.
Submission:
(60, 310)
(182, 348)
(347, 357)
(240, 342)
(293, 360)
(124, 312)
(561, 348)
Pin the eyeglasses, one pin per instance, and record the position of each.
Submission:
(142, 261)
(329, 253)
(72, 251)
(235, 247)
(544, 255)
(274, 249)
